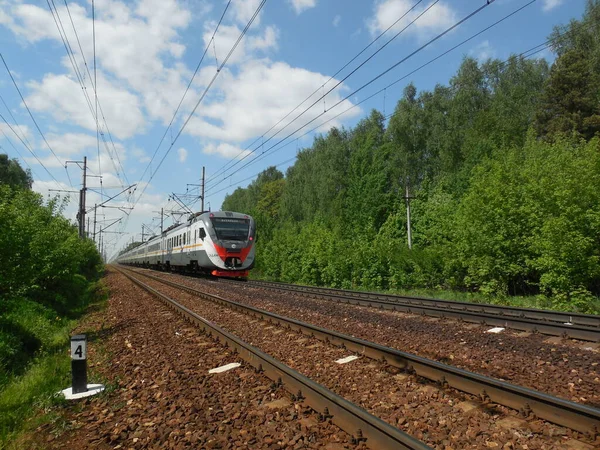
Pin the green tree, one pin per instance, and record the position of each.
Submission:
(570, 102)
(13, 175)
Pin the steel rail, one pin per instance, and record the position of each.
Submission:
(563, 412)
(356, 421)
(585, 327)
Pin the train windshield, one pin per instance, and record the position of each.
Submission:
(231, 229)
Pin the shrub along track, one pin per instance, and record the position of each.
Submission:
(165, 397)
(558, 367)
(440, 417)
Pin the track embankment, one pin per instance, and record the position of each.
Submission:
(162, 396)
(441, 417)
(563, 368)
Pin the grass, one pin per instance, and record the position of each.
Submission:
(30, 380)
(532, 301)
(28, 400)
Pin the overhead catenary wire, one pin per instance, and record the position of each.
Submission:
(250, 152)
(81, 79)
(28, 110)
(24, 138)
(530, 52)
(218, 71)
(96, 90)
(169, 127)
(223, 168)
(29, 149)
(18, 153)
(372, 80)
(98, 100)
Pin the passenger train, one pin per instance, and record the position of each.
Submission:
(217, 243)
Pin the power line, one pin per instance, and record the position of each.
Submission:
(98, 101)
(525, 54)
(29, 149)
(263, 155)
(223, 168)
(410, 55)
(29, 111)
(335, 86)
(18, 153)
(96, 89)
(81, 79)
(186, 90)
(15, 121)
(218, 71)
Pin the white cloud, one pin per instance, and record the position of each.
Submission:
(258, 96)
(22, 130)
(225, 150)
(71, 143)
(265, 42)
(60, 96)
(549, 5)
(182, 154)
(140, 155)
(243, 10)
(224, 40)
(134, 42)
(302, 5)
(336, 20)
(483, 51)
(438, 18)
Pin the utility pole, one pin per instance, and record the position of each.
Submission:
(202, 192)
(82, 192)
(142, 232)
(161, 219)
(88, 227)
(95, 209)
(408, 228)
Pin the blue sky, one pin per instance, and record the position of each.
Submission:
(146, 54)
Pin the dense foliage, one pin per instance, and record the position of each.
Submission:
(12, 174)
(45, 272)
(504, 168)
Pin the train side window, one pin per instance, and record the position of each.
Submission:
(184, 238)
(202, 233)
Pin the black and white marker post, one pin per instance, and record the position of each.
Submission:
(80, 388)
(79, 363)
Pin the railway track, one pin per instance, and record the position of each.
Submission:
(563, 412)
(376, 433)
(585, 327)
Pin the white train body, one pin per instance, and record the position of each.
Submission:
(220, 243)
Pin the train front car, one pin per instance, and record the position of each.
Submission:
(229, 243)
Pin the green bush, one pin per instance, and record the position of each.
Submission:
(45, 276)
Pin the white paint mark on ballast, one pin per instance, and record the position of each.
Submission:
(495, 330)
(224, 368)
(347, 359)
